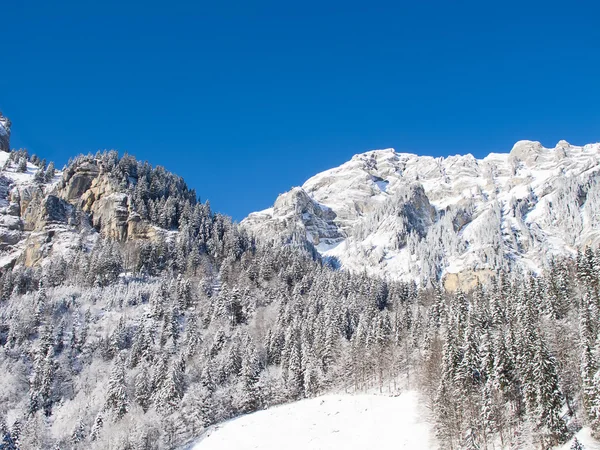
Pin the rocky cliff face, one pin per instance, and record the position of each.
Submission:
(457, 218)
(298, 215)
(4, 133)
(41, 219)
(109, 209)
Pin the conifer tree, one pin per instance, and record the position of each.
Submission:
(97, 427)
(116, 395)
(6, 440)
(78, 434)
(172, 389)
(143, 388)
(576, 445)
(250, 393)
(549, 423)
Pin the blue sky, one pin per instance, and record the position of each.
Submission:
(247, 99)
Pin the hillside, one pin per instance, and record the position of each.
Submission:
(327, 423)
(458, 218)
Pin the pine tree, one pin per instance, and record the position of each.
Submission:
(587, 360)
(468, 372)
(47, 380)
(116, 396)
(445, 414)
(250, 393)
(50, 171)
(143, 388)
(171, 392)
(549, 423)
(39, 176)
(576, 445)
(295, 374)
(97, 427)
(22, 166)
(78, 434)
(489, 413)
(594, 402)
(6, 440)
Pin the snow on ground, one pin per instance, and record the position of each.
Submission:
(24, 178)
(329, 422)
(584, 437)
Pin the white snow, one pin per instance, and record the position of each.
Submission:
(350, 422)
(3, 157)
(362, 235)
(25, 178)
(584, 436)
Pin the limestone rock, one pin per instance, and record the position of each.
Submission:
(4, 133)
(80, 181)
(466, 280)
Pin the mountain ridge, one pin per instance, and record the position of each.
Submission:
(502, 211)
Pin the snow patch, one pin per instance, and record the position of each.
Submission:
(584, 437)
(331, 422)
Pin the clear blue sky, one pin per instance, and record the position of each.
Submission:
(247, 99)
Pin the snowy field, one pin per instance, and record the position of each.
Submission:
(349, 422)
(330, 422)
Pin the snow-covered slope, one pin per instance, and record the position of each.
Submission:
(330, 422)
(460, 218)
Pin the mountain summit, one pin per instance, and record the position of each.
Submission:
(456, 218)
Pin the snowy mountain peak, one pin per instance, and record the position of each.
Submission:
(457, 218)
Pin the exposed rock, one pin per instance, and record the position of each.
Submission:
(297, 213)
(98, 195)
(29, 198)
(8, 237)
(80, 182)
(110, 214)
(11, 222)
(140, 229)
(37, 218)
(37, 247)
(466, 280)
(4, 133)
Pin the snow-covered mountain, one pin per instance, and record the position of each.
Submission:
(456, 218)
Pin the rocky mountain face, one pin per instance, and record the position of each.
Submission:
(39, 219)
(458, 218)
(4, 133)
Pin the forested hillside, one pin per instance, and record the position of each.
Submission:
(141, 340)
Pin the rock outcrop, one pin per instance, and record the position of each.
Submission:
(298, 214)
(4, 133)
(39, 218)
